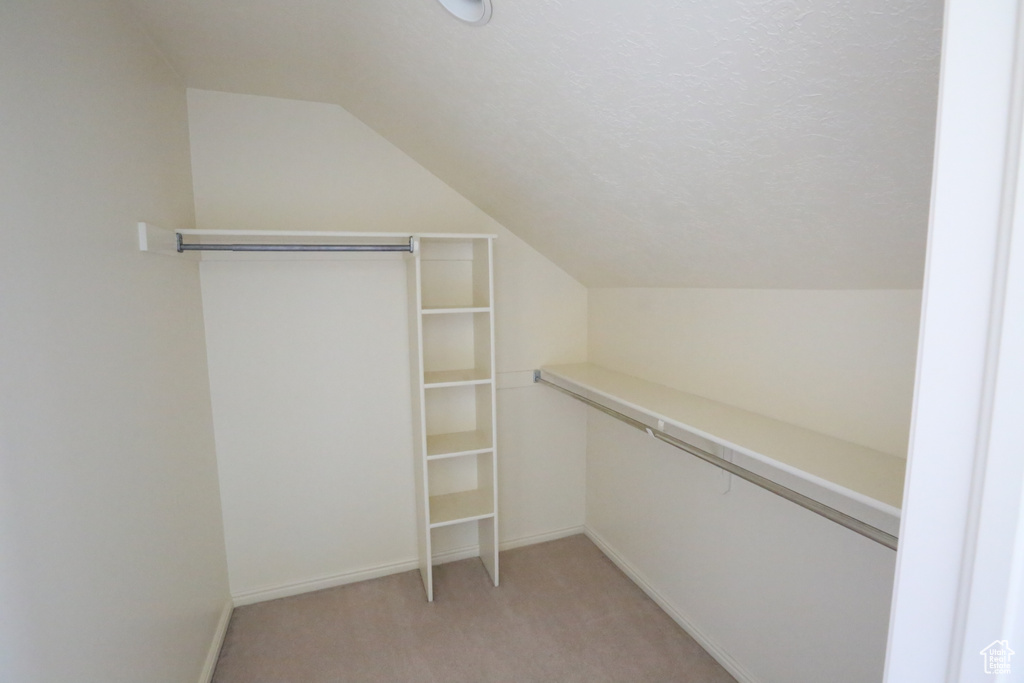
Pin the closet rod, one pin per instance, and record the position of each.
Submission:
(182, 247)
(830, 513)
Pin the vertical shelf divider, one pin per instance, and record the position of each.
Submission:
(419, 435)
(483, 253)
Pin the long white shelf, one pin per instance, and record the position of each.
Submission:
(863, 483)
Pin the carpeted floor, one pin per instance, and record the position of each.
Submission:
(563, 612)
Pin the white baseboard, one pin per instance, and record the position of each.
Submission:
(469, 551)
(218, 641)
(533, 539)
(333, 580)
(738, 671)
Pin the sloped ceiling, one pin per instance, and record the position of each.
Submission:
(755, 143)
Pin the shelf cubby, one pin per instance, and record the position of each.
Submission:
(462, 489)
(454, 378)
(455, 409)
(454, 444)
(455, 274)
(457, 348)
(461, 506)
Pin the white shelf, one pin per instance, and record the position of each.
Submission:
(457, 236)
(458, 444)
(463, 506)
(455, 378)
(454, 303)
(864, 483)
(457, 309)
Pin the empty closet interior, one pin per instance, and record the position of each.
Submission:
(380, 411)
(544, 286)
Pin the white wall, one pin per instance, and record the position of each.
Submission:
(112, 564)
(787, 596)
(834, 361)
(308, 360)
(308, 368)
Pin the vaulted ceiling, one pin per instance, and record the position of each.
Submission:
(755, 143)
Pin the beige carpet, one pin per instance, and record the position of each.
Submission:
(563, 612)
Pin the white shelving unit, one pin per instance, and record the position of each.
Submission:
(451, 329)
(451, 294)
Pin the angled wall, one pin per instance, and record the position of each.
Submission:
(839, 362)
(112, 564)
(309, 360)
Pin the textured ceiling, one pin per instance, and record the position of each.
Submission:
(757, 143)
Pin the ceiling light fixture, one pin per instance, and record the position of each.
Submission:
(473, 12)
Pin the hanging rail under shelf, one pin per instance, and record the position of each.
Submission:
(830, 513)
(182, 247)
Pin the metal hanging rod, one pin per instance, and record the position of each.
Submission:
(182, 247)
(830, 513)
